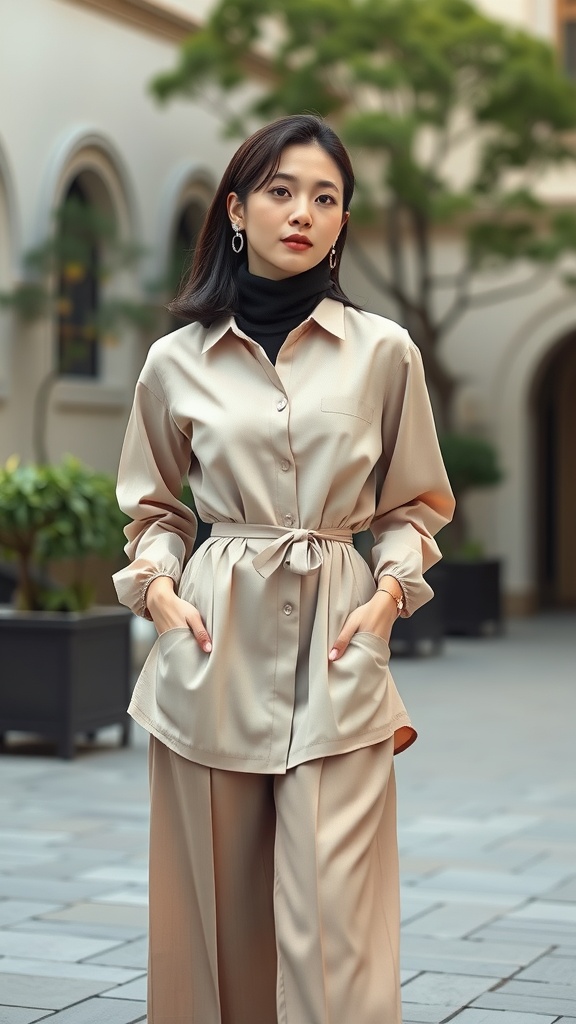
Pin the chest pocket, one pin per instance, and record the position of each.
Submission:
(347, 406)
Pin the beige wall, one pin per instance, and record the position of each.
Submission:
(73, 96)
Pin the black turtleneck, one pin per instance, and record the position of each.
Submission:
(269, 310)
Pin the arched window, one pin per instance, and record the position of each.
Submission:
(79, 284)
(188, 228)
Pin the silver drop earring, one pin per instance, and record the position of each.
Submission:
(333, 258)
(237, 240)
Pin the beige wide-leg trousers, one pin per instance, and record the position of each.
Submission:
(274, 898)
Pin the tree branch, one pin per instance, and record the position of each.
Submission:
(511, 291)
(465, 300)
(460, 303)
(377, 279)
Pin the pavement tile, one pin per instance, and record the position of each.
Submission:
(122, 933)
(102, 1011)
(541, 910)
(453, 921)
(52, 890)
(14, 859)
(558, 871)
(133, 990)
(470, 854)
(103, 913)
(542, 937)
(566, 891)
(61, 865)
(47, 993)
(28, 837)
(134, 873)
(415, 1013)
(533, 927)
(406, 975)
(484, 882)
(476, 1016)
(477, 967)
(521, 954)
(14, 911)
(414, 908)
(22, 1015)
(535, 930)
(51, 969)
(116, 843)
(428, 895)
(557, 970)
(130, 954)
(50, 946)
(539, 990)
(500, 1001)
(446, 989)
(137, 895)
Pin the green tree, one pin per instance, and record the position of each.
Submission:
(416, 87)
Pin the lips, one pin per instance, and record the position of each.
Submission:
(298, 243)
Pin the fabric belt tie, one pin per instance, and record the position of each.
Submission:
(299, 550)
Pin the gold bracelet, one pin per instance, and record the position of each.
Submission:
(399, 600)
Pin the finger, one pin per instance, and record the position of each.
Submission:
(340, 645)
(200, 632)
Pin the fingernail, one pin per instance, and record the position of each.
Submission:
(208, 647)
(333, 654)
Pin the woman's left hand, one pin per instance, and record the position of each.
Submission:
(377, 616)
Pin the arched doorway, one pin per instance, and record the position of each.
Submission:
(555, 418)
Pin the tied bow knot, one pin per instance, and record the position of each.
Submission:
(299, 550)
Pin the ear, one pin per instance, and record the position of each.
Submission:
(235, 210)
(345, 219)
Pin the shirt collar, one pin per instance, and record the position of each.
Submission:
(329, 314)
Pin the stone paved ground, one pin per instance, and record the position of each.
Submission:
(487, 832)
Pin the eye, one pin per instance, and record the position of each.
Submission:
(326, 200)
(279, 189)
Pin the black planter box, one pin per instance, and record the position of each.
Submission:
(423, 632)
(64, 673)
(473, 605)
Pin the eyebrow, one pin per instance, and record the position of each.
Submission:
(292, 177)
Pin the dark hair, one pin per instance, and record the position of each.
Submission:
(211, 289)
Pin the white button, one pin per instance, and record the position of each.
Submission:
(282, 404)
(287, 609)
(285, 465)
(289, 520)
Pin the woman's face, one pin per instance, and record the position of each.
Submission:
(293, 222)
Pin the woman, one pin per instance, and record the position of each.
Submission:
(299, 420)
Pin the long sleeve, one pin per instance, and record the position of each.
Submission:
(415, 499)
(155, 457)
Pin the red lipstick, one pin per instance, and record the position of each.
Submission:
(298, 243)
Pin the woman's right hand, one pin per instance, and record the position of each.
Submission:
(169, 611)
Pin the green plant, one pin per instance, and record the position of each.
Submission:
(470, 462)
(54, 513)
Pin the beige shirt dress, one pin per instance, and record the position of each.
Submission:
(287, 462)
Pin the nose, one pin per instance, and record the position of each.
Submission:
(301, 214)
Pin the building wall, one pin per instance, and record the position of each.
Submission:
(73, 97)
